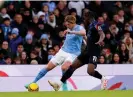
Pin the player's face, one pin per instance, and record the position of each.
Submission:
(69, 25)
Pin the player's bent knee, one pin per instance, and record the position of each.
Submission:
(91, 69)
(64, 68)
(76, 64)
(66, 65)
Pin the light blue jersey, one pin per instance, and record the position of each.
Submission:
(73, 42)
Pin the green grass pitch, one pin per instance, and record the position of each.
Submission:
(106, 93)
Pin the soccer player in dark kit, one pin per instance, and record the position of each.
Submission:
(89, 56)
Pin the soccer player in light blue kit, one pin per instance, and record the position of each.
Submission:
(70, 49)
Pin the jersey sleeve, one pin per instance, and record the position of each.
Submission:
(81, 28)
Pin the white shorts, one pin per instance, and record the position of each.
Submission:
(62, 57)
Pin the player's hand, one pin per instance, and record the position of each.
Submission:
(66, 31)
(101, 43)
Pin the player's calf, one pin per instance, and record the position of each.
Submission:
(92, 72)
(64, 68)
(42, 73)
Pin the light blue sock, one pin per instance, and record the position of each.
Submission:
(40, 75)
(64, 85)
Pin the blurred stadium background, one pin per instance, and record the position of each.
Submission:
(39, 27)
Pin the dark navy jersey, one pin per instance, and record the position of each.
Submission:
(93, 37)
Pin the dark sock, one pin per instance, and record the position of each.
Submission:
(97, 75)
(67, 74)
(63, 72)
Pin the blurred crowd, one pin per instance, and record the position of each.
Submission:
(31, 32)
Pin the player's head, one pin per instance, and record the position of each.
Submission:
(71, 21)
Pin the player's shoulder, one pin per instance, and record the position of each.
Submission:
(80, 27)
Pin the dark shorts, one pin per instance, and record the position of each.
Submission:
(90, 56)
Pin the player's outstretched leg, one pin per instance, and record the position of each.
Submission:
(64, 68)
(92, 72)
(64, 85)
(42, 73)
(76, 64)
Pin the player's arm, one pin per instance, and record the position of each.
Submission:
(81, 32)
(85, 40)
(102, 35)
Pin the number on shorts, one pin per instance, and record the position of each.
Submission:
(94, 59)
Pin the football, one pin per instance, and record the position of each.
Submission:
(33, 87)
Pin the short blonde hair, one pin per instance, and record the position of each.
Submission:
(34, 62)
(70, 19)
